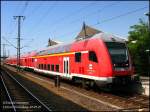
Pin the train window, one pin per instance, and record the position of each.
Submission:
(52, 67)
(48, 67)
(41, 66)
(32, 60)
(78, 57)
(45, 66)
(57, 68)
(67, 66)
(37, 66)
(92, 56)
(64, 67)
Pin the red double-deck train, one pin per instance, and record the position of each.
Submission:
(103, 59)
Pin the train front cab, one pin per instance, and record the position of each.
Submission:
(113, 64)
(92, 62)
(121, 63)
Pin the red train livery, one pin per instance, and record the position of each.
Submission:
(103, 58)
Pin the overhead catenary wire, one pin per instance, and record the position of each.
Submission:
(4, 49)
(20, 13)
(121, 15)
(93, 13)
(81, 9)
(29, 15)
(32, 12)
(110, 19)
(62, 19)
(24, 8)
(9, 42)
(72, 14)
(107, 20)
(45, 15)
(41, 20)
(12, 25)
(28, 43)
(98, 11)
(59, 20)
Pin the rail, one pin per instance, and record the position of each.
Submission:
(25, 89)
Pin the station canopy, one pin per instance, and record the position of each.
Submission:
(86, 32)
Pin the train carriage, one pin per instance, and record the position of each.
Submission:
(103, 58)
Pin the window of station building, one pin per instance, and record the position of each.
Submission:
(52, 67)
(48, 67)
(57, 68)
(78, 57)
(92, 56)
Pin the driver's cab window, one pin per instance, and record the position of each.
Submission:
(92, 56)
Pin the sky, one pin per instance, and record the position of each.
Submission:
(63, 20)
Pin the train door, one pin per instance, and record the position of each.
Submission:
(35, 63)
(66, 66)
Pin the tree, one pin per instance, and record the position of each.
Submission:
(139, 42)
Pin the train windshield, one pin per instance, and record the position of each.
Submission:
(118, 52)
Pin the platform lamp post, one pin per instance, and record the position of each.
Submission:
(148, 53)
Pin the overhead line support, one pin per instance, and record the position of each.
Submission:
(18, 39)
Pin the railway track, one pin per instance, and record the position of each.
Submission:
(121, 103)
(134, 102)
(125, 102)
(18, 97)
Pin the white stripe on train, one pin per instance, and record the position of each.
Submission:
(98, 80)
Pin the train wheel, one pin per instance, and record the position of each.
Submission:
(87, 84)
(84, 85)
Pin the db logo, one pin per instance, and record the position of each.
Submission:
(90, 66)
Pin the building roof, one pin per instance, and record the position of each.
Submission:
(53, 42)
(86, 32)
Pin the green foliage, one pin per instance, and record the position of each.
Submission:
(140, 35)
